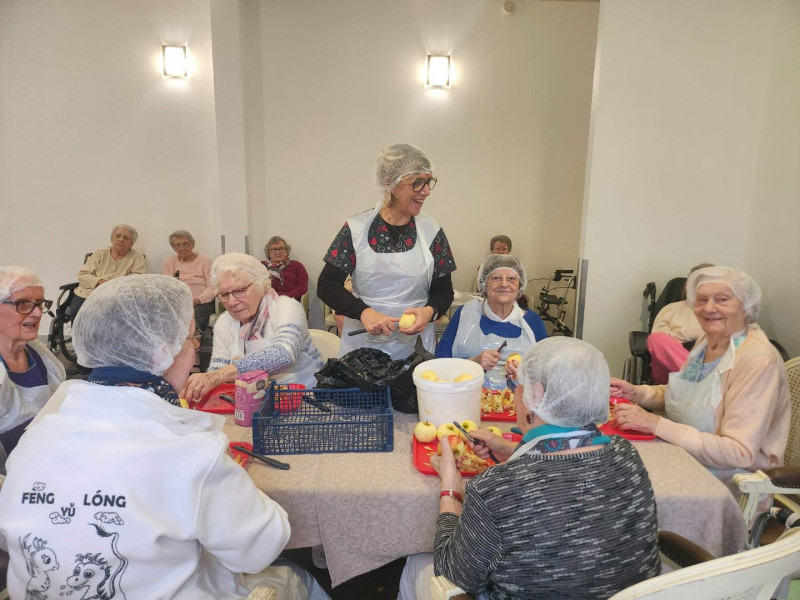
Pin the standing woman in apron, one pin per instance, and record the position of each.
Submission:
(480, 327)
(399, 259)
(29, 373)
(728, 406)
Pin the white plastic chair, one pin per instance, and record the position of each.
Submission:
(329, 319)
(751, 575)
(782, 480)
(326, 342)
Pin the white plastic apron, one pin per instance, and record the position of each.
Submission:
(303, 369)
(693, 403)
(470, 340)
(25, 402)
(390, 283)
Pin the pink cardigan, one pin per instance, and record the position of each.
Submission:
(752, 420)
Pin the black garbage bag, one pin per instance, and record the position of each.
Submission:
(372, 369)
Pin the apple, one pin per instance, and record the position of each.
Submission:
(469, 426)
(495, 430)
(407, 320)
(456, 445)
(516, 356)
(464, 377)
(429, 375)
(447, 429)
(425, 432)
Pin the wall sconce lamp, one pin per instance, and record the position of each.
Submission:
(438, 71)
(174, 61)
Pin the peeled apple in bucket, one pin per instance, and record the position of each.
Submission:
(406, 321)
(464, 377)
(430, 375)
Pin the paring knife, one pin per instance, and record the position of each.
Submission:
(473, 441)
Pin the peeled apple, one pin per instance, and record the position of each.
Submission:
(406, 321)
(516, 357)
(429, 375)
(464, 377)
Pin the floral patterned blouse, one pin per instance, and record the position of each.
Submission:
(342, 255)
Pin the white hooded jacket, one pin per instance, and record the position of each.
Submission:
(113, 493)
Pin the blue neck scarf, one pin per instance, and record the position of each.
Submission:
(130, 377)
(588, 435)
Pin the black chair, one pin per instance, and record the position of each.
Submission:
(637, 367)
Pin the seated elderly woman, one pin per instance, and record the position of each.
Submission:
(500, 244)
(29, 373)
(134, 497)
(193, 269)
(117, 260)
(259, 331)
(728, 406)
(674, 326)
(478, 329)
(545, 522)
(288, 277)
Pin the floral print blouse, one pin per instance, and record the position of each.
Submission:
(342, 255)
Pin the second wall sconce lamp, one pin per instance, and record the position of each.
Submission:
(174, 61)
(438, 71)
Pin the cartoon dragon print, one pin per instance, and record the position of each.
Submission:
(96, 575)
(39, 559)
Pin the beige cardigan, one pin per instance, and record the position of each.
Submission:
(101, 266)
(752, 421)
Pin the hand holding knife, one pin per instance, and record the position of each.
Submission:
(474, 442)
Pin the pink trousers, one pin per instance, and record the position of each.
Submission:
(667, 355)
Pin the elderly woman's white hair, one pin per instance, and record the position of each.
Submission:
(140, 322)
(131, 230)
(492, 263)
(396, 162)
(744, 287)
(13, 279)
(574, 376)
(243, 266)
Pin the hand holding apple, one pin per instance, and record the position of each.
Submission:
(445, 466)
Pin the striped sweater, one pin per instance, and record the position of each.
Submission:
(550, 526)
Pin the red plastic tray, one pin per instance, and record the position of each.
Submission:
(240, 457)
(421, 455)
(609, 428)
(212, 403)
(509, 416)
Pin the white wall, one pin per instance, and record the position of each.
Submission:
(674, 160)
(91, 134)
(774, 248)
(328, 84)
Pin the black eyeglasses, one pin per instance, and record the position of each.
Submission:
(25, 307)
(420, 183)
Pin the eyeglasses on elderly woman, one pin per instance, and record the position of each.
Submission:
(237, 293)
(25, 307)
(420, 183)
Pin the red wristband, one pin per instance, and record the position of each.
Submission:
(452, 494)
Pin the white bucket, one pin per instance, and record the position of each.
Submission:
(445, 401)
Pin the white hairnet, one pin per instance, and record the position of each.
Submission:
(740, 283)
(13, 279)
(493, 262)
(242, 265)
(575, 378)
(140, 321)
(398, 161)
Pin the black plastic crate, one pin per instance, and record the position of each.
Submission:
(323, 420)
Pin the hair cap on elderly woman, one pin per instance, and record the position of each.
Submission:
(492, 263)
(140, 322)
(238, 263)
(399, 161)
(575, 377)
(740, 283)
(13, 279)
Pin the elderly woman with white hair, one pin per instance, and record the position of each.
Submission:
(260, 330)
(29, 373)
(398, 257)
(118, 260)
(728, 406)
(478, 329)
(546, 521)
(124, 494)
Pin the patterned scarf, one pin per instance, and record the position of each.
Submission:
(569, 438)
(255, 329)
(276, 267)
(130, 377)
